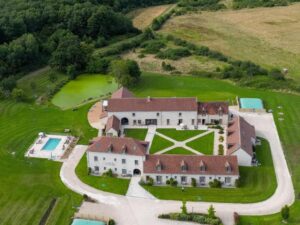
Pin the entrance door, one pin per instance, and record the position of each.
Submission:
(136, 172)
(151, 122)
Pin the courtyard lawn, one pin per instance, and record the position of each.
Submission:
(159, 143)
(83, 89)
(136, 133)
(203, 144)
(109, 184)
(257, 184)
(179, 151)
(179, 135)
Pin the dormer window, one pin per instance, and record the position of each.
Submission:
(180, 114)
(158, 166)
(124, 149)
(183, 166)
(203, 111)
(228, 167)
(202, 166)
(133, 114)
(110, 148)
(157, 114)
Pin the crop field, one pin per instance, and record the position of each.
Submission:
(267, 36)
(143, 17)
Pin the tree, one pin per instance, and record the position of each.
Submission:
(126, 72)
(183, 208)
(18, 94)
(285, 212)
(8, 83)
(211, 212)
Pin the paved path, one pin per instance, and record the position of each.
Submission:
(138, 211)
(181, 144)
(135, 190)
(150, 135)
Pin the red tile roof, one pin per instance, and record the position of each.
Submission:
(122, 93)
(152, 104)
(240, 133)
(113, 122)
(172, 164)
(118, 145)
(213, 108)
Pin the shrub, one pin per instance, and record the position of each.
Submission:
(183, 208)
(215, 184)
(174, 53)
(211, 212)
(194, 182)
(18, 94)
(285, 212)
(108, 173)
(221, 138)
(149, 181)
(276, 74)
(172, 182)
(111, 222)
(167, 67)
(99, 65)
(152, 46)
(220, 149)
(237, 183)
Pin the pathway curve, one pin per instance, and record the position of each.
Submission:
(139, 211)
(135, 189)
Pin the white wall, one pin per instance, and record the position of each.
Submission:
(177, 177)
(186, 116)
(244, 159)
(113, 161)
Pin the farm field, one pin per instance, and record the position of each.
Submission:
(143, 17)
(267, 36)
(83, 89)
(109, 184)
(257, 184)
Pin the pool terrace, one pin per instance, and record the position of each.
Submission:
(50, 146)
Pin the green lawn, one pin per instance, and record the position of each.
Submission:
(28, 185)
(84, 88)
(203, 144)
(137, 133)
(257, 184)
(159, 143)
(179, 151)
(179, 135)
(109, 184)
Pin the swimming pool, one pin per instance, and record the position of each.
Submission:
(51, 144)
(251, 103)
(87, 222)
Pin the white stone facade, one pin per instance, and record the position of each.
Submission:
(120, 164)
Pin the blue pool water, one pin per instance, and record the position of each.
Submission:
(87, 222)
(251, 103)
(51, 144)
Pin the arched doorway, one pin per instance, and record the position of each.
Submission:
(136, 172)
(124, 121)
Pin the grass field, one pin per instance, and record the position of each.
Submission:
(84, 88)
(179, 135)
(28, 185)
(179, 151)
(257, 184)
(267, 36)
(109, 184)
(139, 134)
(203, 144)
(37, 83)
(143, 17)
(158, 144)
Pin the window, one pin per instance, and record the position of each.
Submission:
(133, 114)
(202, 180)
(136, 162)
(157, 114)
(134, 122)
(103, 158)
(183, 180)
(104, 168)
(124, 171)
(168, 121)
(139, 122)
(96, 168)
(227, 180)
(158, 179)
(116, 169)
(95, 158)
(123, 161)
(115, 159)
(193, 121)
(180, 114)
(180, 121)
